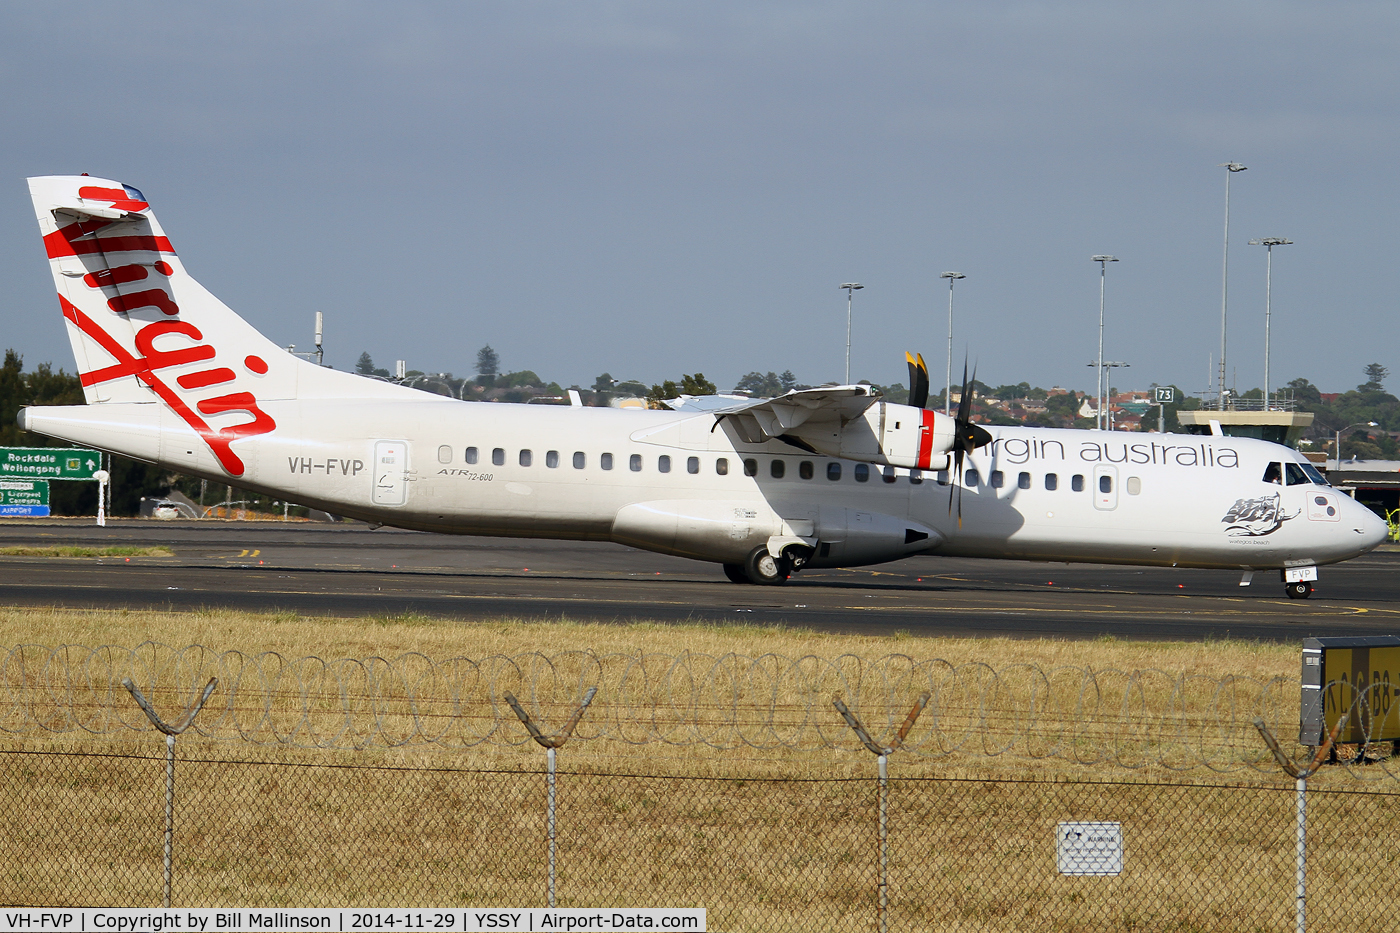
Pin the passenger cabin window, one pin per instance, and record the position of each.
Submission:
(833, 471)
(1076, 482)
(1105, 483)
(941, 478)
(1294, 474)
(663, 463)
(526, 458)
(862, 472)
(444, 454)
(1023, 481)
(777, 468)
(997, 479)
(970, 478)
(805, 469)
(605, 461)
(580, 460)
(692, 464)
(498, 456)
(551, 459)
(1134, 485)
(722, 466)
(471, 455)
(634, 463)
(750, 467)
(887, 474)
(1052, 482)
(916, 477)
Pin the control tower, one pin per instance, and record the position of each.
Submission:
(1249, 417)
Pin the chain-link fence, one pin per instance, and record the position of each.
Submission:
(759, 854)
(1128, 719)
(410, 781)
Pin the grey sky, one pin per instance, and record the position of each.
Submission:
(651, 188)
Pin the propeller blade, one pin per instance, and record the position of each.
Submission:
(967, 437)
(918, 380)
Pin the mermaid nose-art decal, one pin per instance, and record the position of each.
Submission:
(1254, 518)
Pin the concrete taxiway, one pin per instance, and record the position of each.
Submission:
(350, 570)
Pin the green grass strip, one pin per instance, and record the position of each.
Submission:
(67, 551)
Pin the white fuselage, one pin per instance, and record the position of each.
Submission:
(539, 471)
(173, 376)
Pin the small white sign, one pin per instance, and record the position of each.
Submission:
(1300, 574)
(1089, 848)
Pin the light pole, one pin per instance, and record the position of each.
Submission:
(850, 288)
(1103, 414)
(1230, 169)
(1269, 242)
(1103, 262)
(948, 388)
(1337, 451)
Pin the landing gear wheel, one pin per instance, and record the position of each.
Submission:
(765, 569)
(735, 573)
(1300, 590)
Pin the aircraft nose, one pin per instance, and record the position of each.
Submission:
(1372, 529)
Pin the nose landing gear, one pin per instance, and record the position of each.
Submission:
(1300, 589)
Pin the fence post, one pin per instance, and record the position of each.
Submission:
(882, 753)
(1300, 775)
(170, 732)
(551, 743)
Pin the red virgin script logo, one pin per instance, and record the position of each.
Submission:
(135, 286)
(123, 199)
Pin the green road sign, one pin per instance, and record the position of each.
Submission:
(1166, 395)
(21, 497)
(49, 462)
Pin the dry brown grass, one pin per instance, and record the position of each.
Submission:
(388, 636)
(1072, 732)
(766, 839)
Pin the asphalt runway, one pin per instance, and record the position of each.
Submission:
(349, 570)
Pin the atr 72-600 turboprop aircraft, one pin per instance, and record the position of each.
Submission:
(828, 477)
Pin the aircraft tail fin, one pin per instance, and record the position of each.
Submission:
(139, 324)
(143, 330)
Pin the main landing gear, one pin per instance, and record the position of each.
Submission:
(1302, 589)
(764, 569)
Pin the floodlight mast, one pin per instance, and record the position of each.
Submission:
(850, 288)
(948, 386)
(1230, 169)
(1269, 242)
(1103, 261)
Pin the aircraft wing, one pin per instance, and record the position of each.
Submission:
(836, 421)
(832, 406)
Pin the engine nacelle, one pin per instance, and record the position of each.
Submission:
(897, 435)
